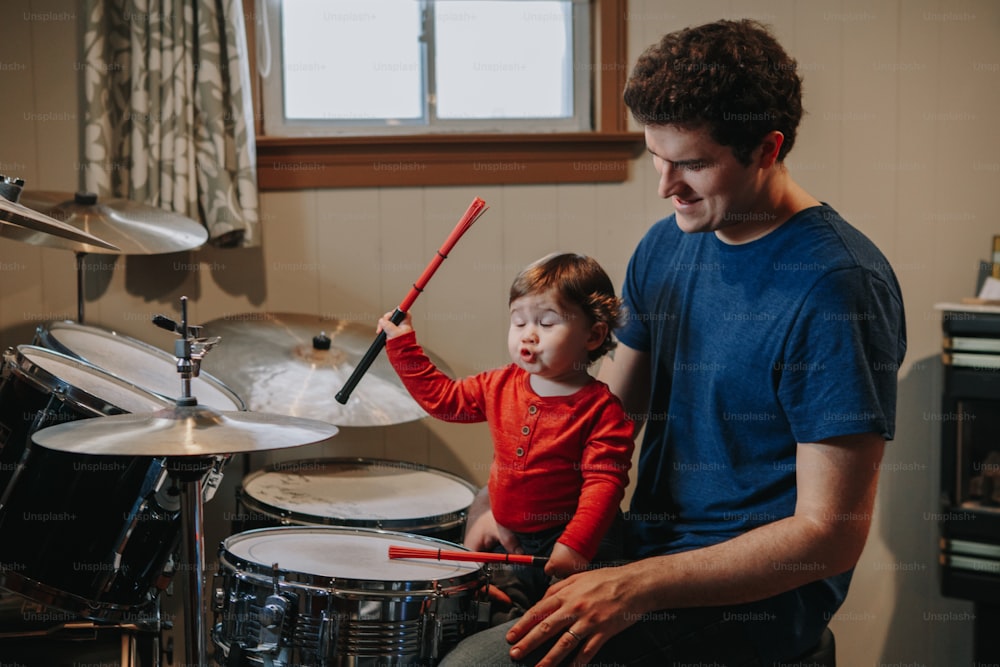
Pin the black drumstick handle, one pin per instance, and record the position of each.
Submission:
(367, 360)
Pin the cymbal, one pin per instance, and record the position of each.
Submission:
(136, 229)
(271, 361)
(180, 430)
(21, 223)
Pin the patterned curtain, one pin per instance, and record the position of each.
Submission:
(169, 119)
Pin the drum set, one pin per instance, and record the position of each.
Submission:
(110, 449)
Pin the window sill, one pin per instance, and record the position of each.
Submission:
(460, 159)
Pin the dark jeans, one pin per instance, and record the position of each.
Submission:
(672, 638)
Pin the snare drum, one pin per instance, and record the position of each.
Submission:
(135, 362)
(87, 534)
(359, 493)
(323, 595)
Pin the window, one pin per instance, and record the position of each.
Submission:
(425, 157)
(366, 67)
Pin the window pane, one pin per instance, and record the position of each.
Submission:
(352, 59)
(497, 59)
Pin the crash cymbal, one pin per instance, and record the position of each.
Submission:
(181, 430)
(272, 361)
(136, 229)
(24, 224)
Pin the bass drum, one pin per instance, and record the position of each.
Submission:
(90, 535)
(135, 362)
(357, 493)
(332, 596)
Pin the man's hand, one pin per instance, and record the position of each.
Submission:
(583, 611)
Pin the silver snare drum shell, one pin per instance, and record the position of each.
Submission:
(357, 493)
(324, 595)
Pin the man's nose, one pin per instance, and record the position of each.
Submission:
(670, 181)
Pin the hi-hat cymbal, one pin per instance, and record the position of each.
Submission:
(272, 361)
(24, 224)
(181, 430)
(136, 229)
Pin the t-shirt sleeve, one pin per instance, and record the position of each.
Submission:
(842, 358)
(634, 331)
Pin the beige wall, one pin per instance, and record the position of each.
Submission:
(900, 136)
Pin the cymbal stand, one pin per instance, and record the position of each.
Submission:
(187, 474)
(80, 271)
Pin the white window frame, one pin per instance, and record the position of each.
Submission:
(275, 124)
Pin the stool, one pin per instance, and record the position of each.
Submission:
(822, 655)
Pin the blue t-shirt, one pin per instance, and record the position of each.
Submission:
(794, 337)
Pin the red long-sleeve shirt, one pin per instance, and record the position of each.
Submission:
(556, 459)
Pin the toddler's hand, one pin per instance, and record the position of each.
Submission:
(565, 561)
(392, 330)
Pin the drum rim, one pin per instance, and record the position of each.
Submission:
(286, 515)
(42, 378)
(263, 573)
(45, 335)
(71, 603)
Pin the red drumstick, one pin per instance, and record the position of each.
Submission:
(473, 556)
(476, 209)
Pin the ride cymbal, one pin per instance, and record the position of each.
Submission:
(294, 364)
(183, 430)
(136, 229)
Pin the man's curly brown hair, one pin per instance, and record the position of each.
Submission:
(577, 279)
(731, 77)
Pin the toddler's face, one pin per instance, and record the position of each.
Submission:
(549, 338)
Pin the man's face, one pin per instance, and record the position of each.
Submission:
(710, 189)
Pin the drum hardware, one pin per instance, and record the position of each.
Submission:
(189, 349)
(189, 436)
(22, 223)
(130, 227)
(272, 616)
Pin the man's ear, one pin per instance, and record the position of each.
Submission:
(769, 148)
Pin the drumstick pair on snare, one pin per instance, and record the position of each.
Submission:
(468, 556)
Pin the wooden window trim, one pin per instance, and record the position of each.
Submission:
(601, 156)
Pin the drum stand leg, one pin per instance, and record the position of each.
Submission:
(81, 271)
(188, 473)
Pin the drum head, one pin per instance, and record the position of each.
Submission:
(345, 557)
(135, 362)
(359, 492)
(83, 384)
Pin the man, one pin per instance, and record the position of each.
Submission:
(762, 345)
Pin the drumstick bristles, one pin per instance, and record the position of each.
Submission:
(467, 556)
(476, 209)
